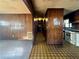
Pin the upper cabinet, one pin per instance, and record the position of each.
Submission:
(76, 17)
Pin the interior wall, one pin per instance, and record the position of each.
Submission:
(16, 26)
(55, 34)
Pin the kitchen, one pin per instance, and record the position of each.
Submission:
(71, 28)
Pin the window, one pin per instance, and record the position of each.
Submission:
(66, 23)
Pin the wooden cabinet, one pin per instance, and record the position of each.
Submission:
(75, 23)
(55, 26)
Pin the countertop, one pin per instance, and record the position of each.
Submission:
(15, 49)
(71, 29)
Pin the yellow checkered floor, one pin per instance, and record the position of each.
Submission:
(41, 50)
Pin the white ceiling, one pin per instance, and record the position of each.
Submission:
(13, 7)
(68, 5)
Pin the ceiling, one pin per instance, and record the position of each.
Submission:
(41, 6)
(13, 7)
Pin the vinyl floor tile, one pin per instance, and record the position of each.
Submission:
(41, 50)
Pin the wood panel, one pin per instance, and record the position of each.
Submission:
(54, 34)
(9, 29)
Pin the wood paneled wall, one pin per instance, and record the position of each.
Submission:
(8, 29)
(54, 34)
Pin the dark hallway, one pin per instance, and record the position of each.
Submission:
(39, 26)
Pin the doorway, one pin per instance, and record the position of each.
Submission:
(39, 27)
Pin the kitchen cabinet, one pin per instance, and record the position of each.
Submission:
(72, 37)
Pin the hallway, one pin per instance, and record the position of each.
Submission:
(39, 29)
(41, 50)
